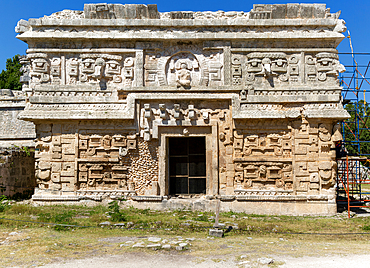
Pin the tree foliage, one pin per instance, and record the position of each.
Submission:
(357, 128)
(9, 78)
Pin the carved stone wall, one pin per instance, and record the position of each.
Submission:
(86, 157)
(17, 172)
(260, 87)
(288, 157)
(12, 130)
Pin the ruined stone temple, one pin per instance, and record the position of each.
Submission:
(179, 109)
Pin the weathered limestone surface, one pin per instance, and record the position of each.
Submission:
(111, 85)
(12, 130)
(17, 164)
(17, 172)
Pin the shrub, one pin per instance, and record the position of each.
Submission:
(115, 212)
(4, 205)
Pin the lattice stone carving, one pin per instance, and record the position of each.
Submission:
(103, 161)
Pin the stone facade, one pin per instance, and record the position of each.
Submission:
(17, 164)
(17, 172)
(12, 130)
(177, 109)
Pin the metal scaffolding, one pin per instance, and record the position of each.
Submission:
(353, 154)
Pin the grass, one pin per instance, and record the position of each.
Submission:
(3, 203)
(178, 221)
(37, 242)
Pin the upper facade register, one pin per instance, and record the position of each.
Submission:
(125, 48)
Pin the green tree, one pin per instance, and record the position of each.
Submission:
(357, 128)
(9, 78)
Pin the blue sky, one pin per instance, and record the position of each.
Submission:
(356, 13)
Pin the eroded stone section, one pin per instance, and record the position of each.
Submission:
(17, 172)
(12, 130)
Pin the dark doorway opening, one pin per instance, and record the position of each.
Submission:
(187, 160)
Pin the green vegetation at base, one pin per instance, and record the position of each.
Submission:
(30, 239)
(175, 222)
(4, 205)
(116, 214)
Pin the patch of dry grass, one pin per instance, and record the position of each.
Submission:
(34, 243)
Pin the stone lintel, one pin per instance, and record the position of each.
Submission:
(182, 23)
(236, 36)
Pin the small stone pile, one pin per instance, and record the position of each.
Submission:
(156, 243)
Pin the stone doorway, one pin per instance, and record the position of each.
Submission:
(187, 165)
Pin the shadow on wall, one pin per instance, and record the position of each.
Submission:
(17, 172)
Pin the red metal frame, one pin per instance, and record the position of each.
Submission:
(350, 179)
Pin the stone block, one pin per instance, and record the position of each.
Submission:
(262, 7)
(153, 11)
(56, 140)
(131, 11)
(314, 177)
(43, 165)
(292, 11)
(68, 149)
(216, 232)
(230, 181)
(229, 167)
(312, 166)
(55, 177)
(229, 159)
(307, 11)
(119, 11)
(56, 155)
(155, 188)
(181, 15)
(230, 190)
(57, 129)
(131, 144)
(319, 11)
(68, 180)
(278, 11)
(82, 176)
(229, 150)
(68, 187)
(142, 11)
(230, 174)
(55, 187)
(44, 128)
(222, 178)
(325, 165)
(154, 245)
(313, 149)
(56, 149)
(314, 186)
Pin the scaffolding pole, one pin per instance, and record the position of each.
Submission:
(353, 176)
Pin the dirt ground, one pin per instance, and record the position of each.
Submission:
(200, 251)
(137, 260)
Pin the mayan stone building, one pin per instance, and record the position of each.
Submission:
(178, 109)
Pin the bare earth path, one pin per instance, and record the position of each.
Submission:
(50, 249)
(138, 260)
